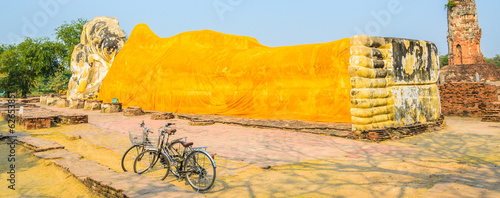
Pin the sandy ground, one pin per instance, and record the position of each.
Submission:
(255, 162)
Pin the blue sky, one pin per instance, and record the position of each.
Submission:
(272, 22)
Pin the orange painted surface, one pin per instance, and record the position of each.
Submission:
(207, 72)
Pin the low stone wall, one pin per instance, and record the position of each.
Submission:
(467, 99)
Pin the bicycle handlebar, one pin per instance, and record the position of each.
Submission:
(146, 128)
(167, 125)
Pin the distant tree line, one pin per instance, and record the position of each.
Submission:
(443, 59)
(39, 65)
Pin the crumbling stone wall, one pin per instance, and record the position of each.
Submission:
(467, 99)
(464, 34)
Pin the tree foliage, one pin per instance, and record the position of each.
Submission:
(69, 35)
(443, 60)
(495, 60)
(38, 64)
(31, 59)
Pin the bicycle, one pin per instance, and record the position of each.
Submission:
(138, 145)
(195, 165)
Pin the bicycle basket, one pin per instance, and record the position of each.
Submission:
(136, 140)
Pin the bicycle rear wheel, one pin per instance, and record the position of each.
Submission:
(200, 170)
(152, 164)
(129, 156)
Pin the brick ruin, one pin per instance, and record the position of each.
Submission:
(464, 47)
(464, 34)
(467, 99)
(468, 80)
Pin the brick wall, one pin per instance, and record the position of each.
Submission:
(466, 99)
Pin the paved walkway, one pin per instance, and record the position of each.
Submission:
(271, 162)
(101, 179)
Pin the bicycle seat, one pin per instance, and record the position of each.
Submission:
(170, 131)
(186, 144)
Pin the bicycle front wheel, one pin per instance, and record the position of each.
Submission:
(152, 164)
(129, 157)
(200, 170)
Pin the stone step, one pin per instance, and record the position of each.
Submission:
(39, 144)
(108, 183)
(491, 118)
(493, 105)
(492, 112)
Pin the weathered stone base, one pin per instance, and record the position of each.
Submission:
(34, 117)
(111, 107)
(52, 100)
(74, 119)
(92, 105)
(76, 103)
(162, 116)
(37, 122)
(397, 133)
(133, 111)
(62, 103)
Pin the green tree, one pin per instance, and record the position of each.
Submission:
(69, 35)
(59, 81)
(495, 60)
(9, 58)
(31, 59)
(443, 60)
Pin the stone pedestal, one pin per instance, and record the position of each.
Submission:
(62, 103)
(92, 105)
(133, 111)
(111, 107)
(162, 116)
(76, 103)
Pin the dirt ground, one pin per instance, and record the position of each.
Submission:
(461, 160)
